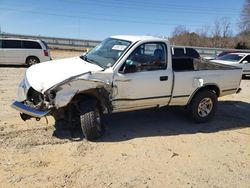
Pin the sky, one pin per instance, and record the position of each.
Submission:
(96, 20)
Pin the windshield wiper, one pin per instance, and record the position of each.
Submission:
(85, 58)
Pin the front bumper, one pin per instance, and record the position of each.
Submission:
(28, 110)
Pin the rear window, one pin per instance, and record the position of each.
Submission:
(178, 52)
(0, 43)
(45, 44)
(11, 44)
(31, 45)
(190, 52)
(185, 52)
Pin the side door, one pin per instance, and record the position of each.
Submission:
(13, 53)
(143, 81)
(246, 65)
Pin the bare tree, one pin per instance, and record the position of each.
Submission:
(216, 30)
(177, 35)
(222, 27)
(204, 31)
(218, 35)
(245, 17)
(243, 38)
(225, 27)
(221, 32)
(179, 30)
(226, 32)
(205, 39)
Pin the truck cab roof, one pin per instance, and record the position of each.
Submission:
(135, 38)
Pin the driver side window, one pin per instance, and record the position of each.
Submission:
(147, 57)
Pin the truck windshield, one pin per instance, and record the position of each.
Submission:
(107, 53)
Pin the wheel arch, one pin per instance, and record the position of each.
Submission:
(31, 56)
(212, 87)
(100, 95)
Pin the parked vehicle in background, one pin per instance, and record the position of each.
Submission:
(123, 73)
(231, 51)
(224, 53)
(16, 51)
(207, 58)
(236, 59)
(179, 52)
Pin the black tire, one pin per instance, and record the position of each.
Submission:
(91, 119)
(32, 60)
(203, 106)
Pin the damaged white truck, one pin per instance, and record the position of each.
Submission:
(123, 73)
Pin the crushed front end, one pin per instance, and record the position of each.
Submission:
(31, 103)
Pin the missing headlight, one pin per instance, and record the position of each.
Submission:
(34, 96)
(52, 95)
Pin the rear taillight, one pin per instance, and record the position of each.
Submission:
(46, 53)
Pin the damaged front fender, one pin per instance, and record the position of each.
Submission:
(63, 93)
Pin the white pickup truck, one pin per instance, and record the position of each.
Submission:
(123, 73)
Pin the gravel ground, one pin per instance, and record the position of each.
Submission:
(149, 148)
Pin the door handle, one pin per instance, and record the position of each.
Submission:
(163, 78)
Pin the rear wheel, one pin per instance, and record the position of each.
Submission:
(91, 119)
(32, 60)
(203, 106)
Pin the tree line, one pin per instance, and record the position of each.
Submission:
(219, 35)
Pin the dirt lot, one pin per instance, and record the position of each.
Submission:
(150, 148)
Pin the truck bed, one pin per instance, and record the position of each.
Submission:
(191, 74)
(190, 64)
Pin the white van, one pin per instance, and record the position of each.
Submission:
(16, 51)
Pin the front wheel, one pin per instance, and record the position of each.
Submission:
(203, 106)
(90, 119)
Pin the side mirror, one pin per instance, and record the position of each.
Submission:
(245, 61)
(129, 68)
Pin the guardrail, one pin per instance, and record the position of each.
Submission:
(56, 42)
(82, 45)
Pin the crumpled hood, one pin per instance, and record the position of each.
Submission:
(44, 75)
